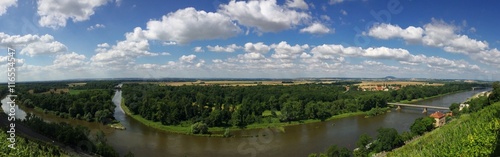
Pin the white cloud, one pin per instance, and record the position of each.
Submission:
(186, 25)
(124, 52)
(198, 49)
(165, 54)
(343, 12)
(169, 43)
(257, 48)
(265, 16)
(118, 2)
(332, 2)
(388, 31)
(317, 28)
(4, 4)
(285, 51)
(436, 34)
(370, 63)
(228, 48)
(54, 13)
(187, 59)
(325, 17)
(297, 4)
(32, 45)
(96, 26)
(69, 61)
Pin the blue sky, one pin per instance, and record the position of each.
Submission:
(63, 39)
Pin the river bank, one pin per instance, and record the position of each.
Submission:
(219, 131)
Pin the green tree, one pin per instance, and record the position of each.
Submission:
(422, 125)
(387, 139)
(495, 94)
(335, 151)
(199, 128)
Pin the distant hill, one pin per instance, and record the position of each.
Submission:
(390, 77)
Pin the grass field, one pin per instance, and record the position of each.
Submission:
(75, 92)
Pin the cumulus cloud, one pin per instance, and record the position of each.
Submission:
(54, 13)
(259, 47)
(265, 16)
(32, 45)
(332, 2)
(343, 12)
(186, 25)
(388, 31)
(96, 26)
(328, 52)
(69, 61)
(228, 48)
(124, 52)
(436, 34)
(317, 28)
(297, 4)
(198, 49)
(285, 51)
(187, 59)
(4, 4)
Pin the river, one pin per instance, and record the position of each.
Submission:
(299, 140)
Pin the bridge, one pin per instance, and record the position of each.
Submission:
(474, 88)
(418, 106)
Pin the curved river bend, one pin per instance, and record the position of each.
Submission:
(299, 140)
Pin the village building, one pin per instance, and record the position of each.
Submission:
(439, 118)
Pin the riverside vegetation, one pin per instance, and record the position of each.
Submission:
(474, 132)
(179, 108)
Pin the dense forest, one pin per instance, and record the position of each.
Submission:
(73, 136)
(90, 101)
(89, 105)
(241, 106)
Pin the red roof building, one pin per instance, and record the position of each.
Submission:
(439, 117)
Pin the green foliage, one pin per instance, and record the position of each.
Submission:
(199, 128)
(407, 136)
(477, 134)
(94, 105)
(224, 106)
(363, 143)
(387, 139)
(422, 125)
(227, 133)
(376, 111)
(333, 151)
(69, 135)
(495, 94)
(27, 147)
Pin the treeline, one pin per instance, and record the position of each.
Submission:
(97, 85)
(414, 92)
(241, 106)
(89, 105)
(75, 137)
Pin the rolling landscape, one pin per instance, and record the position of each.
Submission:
(250, 78)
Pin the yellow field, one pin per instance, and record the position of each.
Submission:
(76, 84)
(226, 83)
(372, 85)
